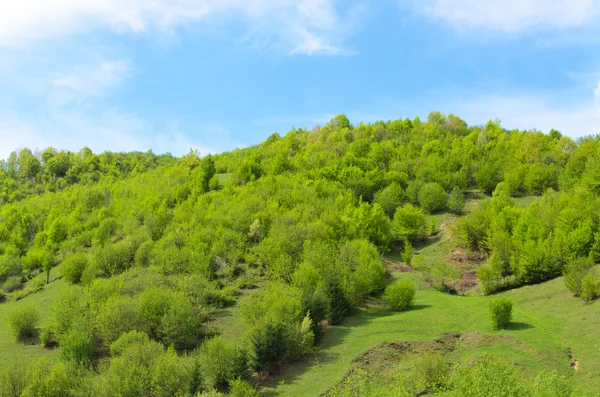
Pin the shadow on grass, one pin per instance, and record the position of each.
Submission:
(517, 326)
(334, 336)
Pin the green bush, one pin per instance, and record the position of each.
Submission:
(77, 347)
(487, 377)
(47, 338)
(500, 312)
(73, 267)
(23, 321)
(432, 197)
(456, 203)
(400, 295)
(126, 340)
(12, 283)
(222, 362)
(241, 388)
(409, 223)
(590, 289)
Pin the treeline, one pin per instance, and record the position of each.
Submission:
(155, 246)
(25, 173)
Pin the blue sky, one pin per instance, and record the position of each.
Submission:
(168, 75)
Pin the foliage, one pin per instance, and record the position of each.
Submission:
(24, 321)
(574, 273)
(456, 201)
(400, 295)
(407, 254)
(433, 197)
(500, 312)
(487, 377)
(73, 267)
(590, 288)
(409, 223)
(222, 362)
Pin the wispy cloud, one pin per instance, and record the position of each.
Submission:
(511, 16)
(108, 130)
(305, 26)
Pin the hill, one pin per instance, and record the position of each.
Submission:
(135, 274)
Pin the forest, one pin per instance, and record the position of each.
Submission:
(137, 274)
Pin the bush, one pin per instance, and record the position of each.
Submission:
(222, 362)
(487, 377)
(77, 347)
(574, 272)
(500, 312)
(240, 388)
(12, 284)
(407, 254)
(409, 223)
(589, 287)
(73, 267)
(47, 338)
(456, 203)
(432, 197)
(400, 295)
(23, 321)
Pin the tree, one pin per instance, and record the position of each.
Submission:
(500, 312)
(456, 203)
(390, 198)
(432, 197)
(222, 362)
(409, 223)
(73, 267)
(400, 295)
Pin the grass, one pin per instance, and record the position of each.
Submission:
(550, 329)
(10, 349)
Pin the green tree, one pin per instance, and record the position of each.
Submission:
(433, 197)
(590, 289)
(409, 223)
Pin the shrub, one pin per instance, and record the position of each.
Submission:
(456, 203)
(170, 376)
(73, 267)
(221, 362)
(240, 388)
(400, 295)
(500, 312)
(77, 347)
(12, 284)
(488, 377)
(589, 287)
(126, 340)
(23, 321)
(407, 254)
(550, 384)
(409, 223)
(574, 272)
(47, 338)
(432, 197)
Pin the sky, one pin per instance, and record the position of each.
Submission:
(213, 75)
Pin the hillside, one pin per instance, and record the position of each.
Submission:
(132, 274)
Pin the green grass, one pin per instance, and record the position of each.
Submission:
(10, 349)
(548, 326)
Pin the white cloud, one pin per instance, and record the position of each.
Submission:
(88, 81)
(304, 26)
(597, 94)
(512, 16)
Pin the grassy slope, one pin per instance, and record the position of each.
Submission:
(10, 350)
(549, 326)
(547, 323)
